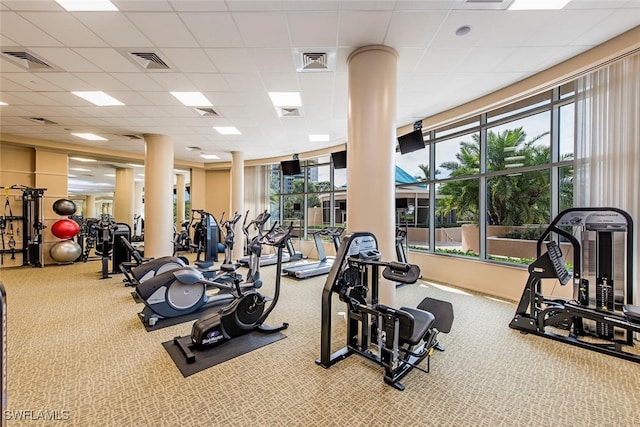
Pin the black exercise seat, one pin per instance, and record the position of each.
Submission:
(228, 268)
(414, 324)
(632, 312)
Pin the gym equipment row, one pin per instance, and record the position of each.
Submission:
(323, 266)
(397, 339)
(600, 315)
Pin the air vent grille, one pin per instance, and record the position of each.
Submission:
(132, 136)
(149, 60)
(193, 148)
(203, 111)
(26, 60)
(314, 61)
(288, 112)
(42, 121)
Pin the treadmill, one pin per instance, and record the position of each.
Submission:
(323, 266)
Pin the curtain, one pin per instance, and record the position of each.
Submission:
(607, 160)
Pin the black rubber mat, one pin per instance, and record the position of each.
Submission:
(208, 357)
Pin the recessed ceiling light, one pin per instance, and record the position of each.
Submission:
(87, 5)
(538, 4)
(192, 99)
(227, 130)
(463, 31)
(83, 159)
(319, 138)
(3, 103)
(286, 99)
(80, 169)
(98, 98)
(110, 175)
(209, 156)
(89, 136)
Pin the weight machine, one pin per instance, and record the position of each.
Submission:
(32, 248)
(600, 316)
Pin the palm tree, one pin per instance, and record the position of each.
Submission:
(512, 199)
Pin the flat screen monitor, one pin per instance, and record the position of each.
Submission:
(411, 142)
(290, 167)
(402, 204)
(339, 159)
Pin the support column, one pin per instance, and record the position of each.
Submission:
(237, 199)
(180, 189)
(371, 145)
(123, 196)
(89, 207)
(158, 200)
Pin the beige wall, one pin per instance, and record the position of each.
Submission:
(217, 197)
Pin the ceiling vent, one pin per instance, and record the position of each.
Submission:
(204, 111)
(193, 148)
(41, 121)
(149, 60)
(136, 137)
(288, 112)
(26, 60)
(315, 60)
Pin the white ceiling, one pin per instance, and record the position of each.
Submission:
(237, 51)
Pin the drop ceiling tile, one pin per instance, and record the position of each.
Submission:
(64, 28)
(64, 58)
(209, 82)
(108, 59)
(313, 29)
(244, 82)
(362, 28)
(138, 81)
(255, 5)
(263, 29)
(198, 5)
(232, 60)
(367, 5)
(413, 29)
(33, 5)
(273, 60)
(441, 59)
(315, 5)
(213, 29)
(281, 82)
(174, 82)
(165, 29)
(114, 28)
(31, 81)
(67, 81)
(142, 5)
(188, 60)
(24, 32)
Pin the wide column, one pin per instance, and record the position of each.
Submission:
(370, 150)
(89, 210)
(237, 200)
(180, 203)
(123, 196)
(158, 199)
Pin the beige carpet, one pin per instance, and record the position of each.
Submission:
(76, 346)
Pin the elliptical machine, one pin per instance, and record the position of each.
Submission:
(245, 314)
(143, 269)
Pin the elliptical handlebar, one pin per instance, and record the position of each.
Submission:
(277, 236)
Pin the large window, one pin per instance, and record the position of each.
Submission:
(496, 179)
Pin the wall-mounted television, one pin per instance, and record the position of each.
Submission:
(290, 167)
(411, 142)
(339, 159)
(402, 203)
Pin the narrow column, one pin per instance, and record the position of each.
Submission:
(158, 200)
(138, 205)
(180, 189)
(237, 199)
(123, 196)
(371, 144)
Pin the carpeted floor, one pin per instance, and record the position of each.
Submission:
(77, 351)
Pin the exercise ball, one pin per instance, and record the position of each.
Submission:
(65, 228)
(65, 251)
(64, 207)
